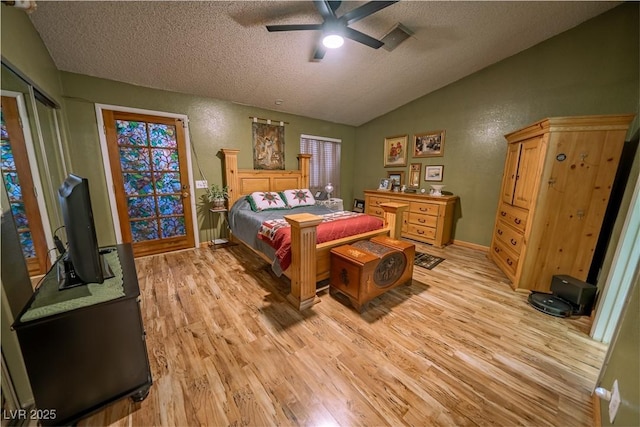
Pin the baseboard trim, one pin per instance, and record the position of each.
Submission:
(471, 245)
(597, 414)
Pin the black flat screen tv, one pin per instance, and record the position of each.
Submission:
(82, 262)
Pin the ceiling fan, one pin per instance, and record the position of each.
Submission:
(334, 28)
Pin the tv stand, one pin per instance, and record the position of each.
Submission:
(82, 359)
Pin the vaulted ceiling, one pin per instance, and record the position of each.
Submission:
(223, 50)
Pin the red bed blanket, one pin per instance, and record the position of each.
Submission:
(277, 232)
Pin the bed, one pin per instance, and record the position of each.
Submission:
(309, 260)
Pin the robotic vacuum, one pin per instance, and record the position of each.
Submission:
(549, 304)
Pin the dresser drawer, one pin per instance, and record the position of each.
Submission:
(505, 257)
(375, 211)
(375, 201)
(422, 219)
(513, 216)
(421, 231)
(509, 237)
(424, 208)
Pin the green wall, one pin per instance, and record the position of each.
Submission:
(590, 69)
(213, 124)
(22, 47)
(624, 365)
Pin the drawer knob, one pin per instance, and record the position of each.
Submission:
(496, 249)
(509, 261)
(423, 210)
(499, 232)
(503, 213)
(421, 220)
(420, 231)
(514, 242)
(517, 220)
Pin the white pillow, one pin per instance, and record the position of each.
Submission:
(265, 200)
(302, 197)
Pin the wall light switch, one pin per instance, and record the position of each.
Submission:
(202, 184)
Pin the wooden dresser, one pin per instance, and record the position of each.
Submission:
(555, 189)
(429, 218)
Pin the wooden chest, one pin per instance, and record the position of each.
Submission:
(368, 268)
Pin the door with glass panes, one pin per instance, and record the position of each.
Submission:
(148, 159)
(19, 184)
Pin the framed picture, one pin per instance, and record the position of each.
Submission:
(396, 177)
(428, 144)
(320, 195)
(385, 184)
(433, 173)
(395, 151)
(414, 175)
(358, 205)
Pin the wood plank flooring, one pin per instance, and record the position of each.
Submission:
(455, 347)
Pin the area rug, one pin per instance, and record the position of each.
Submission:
(427, 261)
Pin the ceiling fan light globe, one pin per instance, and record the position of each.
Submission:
(332, 41)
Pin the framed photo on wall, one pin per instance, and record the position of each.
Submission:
(395, 151)
(433, 173)
(428, 144)
(396, 177)
(414, 175)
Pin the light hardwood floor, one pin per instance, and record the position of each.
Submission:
(456, 347)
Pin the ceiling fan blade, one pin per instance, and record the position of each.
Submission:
(299, 27)
(325, 9)
(362, 38)
(365, 10)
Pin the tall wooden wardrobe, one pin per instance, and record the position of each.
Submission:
(555, 189)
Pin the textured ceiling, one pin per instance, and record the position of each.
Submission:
(222, 49)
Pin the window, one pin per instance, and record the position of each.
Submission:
(325, 162)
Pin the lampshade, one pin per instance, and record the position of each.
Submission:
(332, 41)
(328, 188)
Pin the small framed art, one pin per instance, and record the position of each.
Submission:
(414, 175)
(385, 184)
(397, 177)
(358, 205)
(433, 173)
(395, 151)
(428, 144)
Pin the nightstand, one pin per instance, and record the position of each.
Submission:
(222, 214)
(333, 203)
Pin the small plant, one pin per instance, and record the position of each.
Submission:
(215, 192)
(217, 195)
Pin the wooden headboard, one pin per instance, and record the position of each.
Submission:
(245, 181)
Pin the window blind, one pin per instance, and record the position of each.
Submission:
(325, 162)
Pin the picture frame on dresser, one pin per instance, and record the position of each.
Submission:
(395, 151)
(385, 184)
(428, 144)
(433, 173)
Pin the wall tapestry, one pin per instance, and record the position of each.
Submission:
(268, 146)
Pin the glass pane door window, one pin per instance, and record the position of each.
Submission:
(18, 182)
(154, 192)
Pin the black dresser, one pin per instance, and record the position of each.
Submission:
(82, 354)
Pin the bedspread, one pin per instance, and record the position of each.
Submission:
(277, 232)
